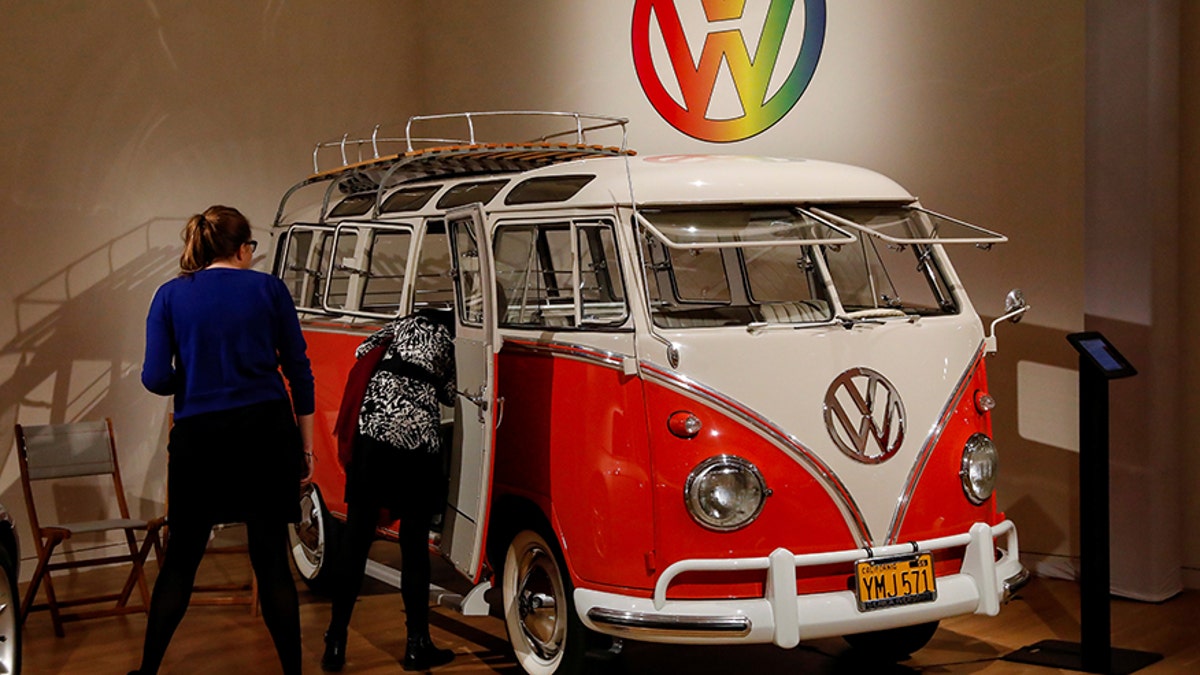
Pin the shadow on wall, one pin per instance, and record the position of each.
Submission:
(1039, 487)
(77, 355)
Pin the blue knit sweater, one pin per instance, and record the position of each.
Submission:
(218, 338)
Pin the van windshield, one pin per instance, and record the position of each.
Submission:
(812, 274)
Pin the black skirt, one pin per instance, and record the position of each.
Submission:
(403, 481)
(235, 466)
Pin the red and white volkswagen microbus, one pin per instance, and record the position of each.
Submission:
(705, 399)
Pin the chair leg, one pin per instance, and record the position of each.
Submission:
(40, 574)
(137, 575)
(150, 542)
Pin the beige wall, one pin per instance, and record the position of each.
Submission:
(120, 119)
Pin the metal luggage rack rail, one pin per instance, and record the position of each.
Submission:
(426, 155)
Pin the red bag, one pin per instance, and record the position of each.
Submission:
(352, 398)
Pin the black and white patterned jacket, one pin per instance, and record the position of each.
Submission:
(416, 373)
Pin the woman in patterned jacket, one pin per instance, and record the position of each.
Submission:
(396, 466)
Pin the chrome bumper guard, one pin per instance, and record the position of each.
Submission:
(783, 617)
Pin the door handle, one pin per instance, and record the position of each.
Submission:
(479, 400)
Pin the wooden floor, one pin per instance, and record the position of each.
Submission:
(219, 640)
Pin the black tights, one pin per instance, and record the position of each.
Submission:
(268, 543)
(414, 566)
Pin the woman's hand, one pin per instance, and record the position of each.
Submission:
(305, 422)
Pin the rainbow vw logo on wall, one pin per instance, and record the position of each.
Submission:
(752, 74)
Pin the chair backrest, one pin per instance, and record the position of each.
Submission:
(66, 450)
(54, 451)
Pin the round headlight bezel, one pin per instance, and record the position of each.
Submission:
(698, 481)
(979, 469)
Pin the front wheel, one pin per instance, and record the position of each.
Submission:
(10, 616)
(893, 644)
(539, 610)
(315, 540)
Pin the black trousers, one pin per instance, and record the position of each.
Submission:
(410, 490)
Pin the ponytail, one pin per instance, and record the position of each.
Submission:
(211, 236)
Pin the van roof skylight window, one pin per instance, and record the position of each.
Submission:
(469, 193)
(354, 205)
(409, 199)
(545, 189)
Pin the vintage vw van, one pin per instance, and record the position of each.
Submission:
(704, 399)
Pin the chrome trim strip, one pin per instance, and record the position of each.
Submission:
(645, 625)
(569, 351)
(328, 328)
(931, 441)
(819, 470)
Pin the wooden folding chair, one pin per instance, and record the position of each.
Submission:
(222, 594)
(55, 452)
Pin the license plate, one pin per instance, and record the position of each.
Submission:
(889, 582)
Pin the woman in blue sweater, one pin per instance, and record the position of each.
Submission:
(217, 337)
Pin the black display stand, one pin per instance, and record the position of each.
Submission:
(1099, 362)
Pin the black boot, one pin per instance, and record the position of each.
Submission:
(335, 653)
(420, 654)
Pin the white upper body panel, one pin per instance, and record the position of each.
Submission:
(675, 179)
(695, 179)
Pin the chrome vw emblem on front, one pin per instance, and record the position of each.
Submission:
(864, 415)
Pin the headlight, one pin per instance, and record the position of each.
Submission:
(979, 464)
(725, 493)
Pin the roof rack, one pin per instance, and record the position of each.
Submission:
(360, 152)
(365, 165)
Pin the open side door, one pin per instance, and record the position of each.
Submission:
(475, 353)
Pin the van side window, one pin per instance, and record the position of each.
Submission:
(537, 274)
(383, 281)
(353, 269)
(292, 263)
(433, 286)
(470, 298)
(344, 245)
(602, 294)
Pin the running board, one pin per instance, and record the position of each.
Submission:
(472, 604)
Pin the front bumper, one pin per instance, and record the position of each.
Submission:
(784, 618)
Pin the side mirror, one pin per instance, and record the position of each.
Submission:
(1015, 307)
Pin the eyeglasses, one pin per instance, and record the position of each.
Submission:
(253, 245)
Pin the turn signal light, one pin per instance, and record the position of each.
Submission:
(984, 402)
(684, 424)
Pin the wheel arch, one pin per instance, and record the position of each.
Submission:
(511, 514)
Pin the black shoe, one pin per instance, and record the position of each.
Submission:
(335, 653)
(420, 654)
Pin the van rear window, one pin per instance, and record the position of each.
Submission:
(546, 189)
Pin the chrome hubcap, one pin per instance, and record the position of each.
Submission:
(308, 534)
(539, 586)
